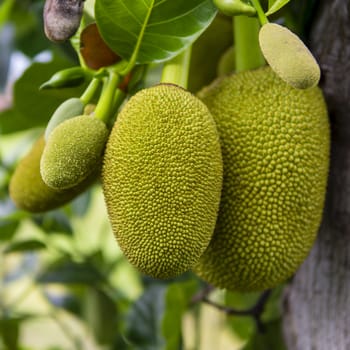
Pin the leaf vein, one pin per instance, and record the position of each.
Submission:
(159, 3)
(130, 12)
(173, 19)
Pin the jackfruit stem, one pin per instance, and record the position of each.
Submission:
(175, 71)
(90, 91)
(105, 104)
(246, 38)
(261, 15)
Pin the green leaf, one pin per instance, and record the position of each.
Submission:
(177, 299)
(5, 10)
(271, 2)
(9, 332)
(244, 327)
(23, 246)
(154, 321)
(7, 230)
(144, 320)
(54, 221)
(275, 6)
(31, 107)
(270, 339)
(26, 16)
(159, 29)
(69, 272)
(97, 307)
(273, 310)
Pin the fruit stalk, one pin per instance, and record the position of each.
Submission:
(248, 53)
(88, 94)
(176, 70)
(105, 104)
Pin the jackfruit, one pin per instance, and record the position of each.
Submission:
(288, 56)
(68, 109)
(207, 50)
(30, 193)
(275, 146)
(162, 178)
(73, 151)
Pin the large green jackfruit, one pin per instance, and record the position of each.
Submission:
(28, 190)
(73, 151)
(162, 178)
(275, 145)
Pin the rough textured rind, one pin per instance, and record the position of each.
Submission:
(74, 148)
(28, 190)
(162, 178)
(275, 145)
(288, 56)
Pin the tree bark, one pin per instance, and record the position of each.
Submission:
(317, 302)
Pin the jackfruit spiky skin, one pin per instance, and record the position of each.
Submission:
(288, 56)
(162, 178)
(28, 190)
(73, 150)
(275, 145)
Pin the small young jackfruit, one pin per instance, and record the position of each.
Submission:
(275, 146)
(73, 151)
(162, 178)
(288, 56)
(68, 109)
(28, 190)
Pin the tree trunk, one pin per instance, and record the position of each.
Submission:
(317, 302)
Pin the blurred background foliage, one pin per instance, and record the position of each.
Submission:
(64, 283)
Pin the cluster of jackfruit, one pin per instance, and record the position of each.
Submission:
(229, 183)
(162, 179)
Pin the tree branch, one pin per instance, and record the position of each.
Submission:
(255, 311)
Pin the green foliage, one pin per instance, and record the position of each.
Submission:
(269, 339)
(154, 321)
(275, 5)
(159, 29)
(9, 329)
(24, 246)
(33, 107)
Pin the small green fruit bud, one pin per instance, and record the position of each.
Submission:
(288, 56)
(69, 77)
(73, 150)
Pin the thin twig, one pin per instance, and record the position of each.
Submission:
(255, 311)
(202, 294)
